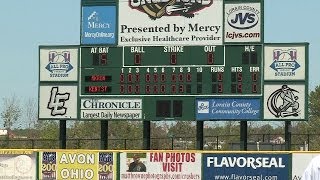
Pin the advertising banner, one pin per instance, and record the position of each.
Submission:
(232, 108)
(243, 22)
(17, 164)
(90, 165)
(170, 22)
(246, 166)
(111, 108)
(98, 25)
(284, 101)
(300, 162)
(58, 102)
(59, 64)
(160, 165)
(284, 62)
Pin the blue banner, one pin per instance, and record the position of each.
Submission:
(246, 166)
(228, 108)
(98, 25)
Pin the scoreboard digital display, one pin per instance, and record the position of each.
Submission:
(169, 79)
(171, 70)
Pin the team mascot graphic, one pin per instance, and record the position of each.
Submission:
(283, 102)
(159, 8)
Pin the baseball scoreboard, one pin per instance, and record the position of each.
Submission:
(173, 60)
(170, 78)
(171, 70)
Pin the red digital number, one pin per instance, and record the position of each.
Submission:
(173, 59)
(210, 58)
(137, 89)
(220, 76)
(173, 78)
(129, 90)
(155, 77)
(147, 77)
(103, 59)
(163, 88)
(122, 90)
(254, 88)
(137, 77)
(180, 77)
(188, 77)
(220, 88)
(121, 77)
(254, 77)
(129, 78)
(155, 89)
(137, 59)
(239, 88)
(181, 88)
(173, 88)
(148, 89)
(239, 76)
(163, 77)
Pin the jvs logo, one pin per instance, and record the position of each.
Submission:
(156, 9)
(285, 62)
(59, 63)
(243, 17)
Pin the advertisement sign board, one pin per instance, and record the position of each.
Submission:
(227, 108)
(300, 161)
(18, 164)
(98, 25)
(77, 165)
(105, 108)
(284, 101)
(243, 22)
(160, 165)
(58, 102)
(246, 166)
(285, 62)
(59, 64)
(172, 22)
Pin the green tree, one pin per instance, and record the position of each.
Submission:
(11, 111)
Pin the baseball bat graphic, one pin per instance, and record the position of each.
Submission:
(161, 11)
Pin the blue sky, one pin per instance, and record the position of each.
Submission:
(27, 24)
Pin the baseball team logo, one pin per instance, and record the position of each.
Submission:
(285, 62)
(284, 102)
(159, 8)
(57, 102)
(59, 63)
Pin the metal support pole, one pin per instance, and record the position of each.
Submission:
(287, 135)
(243, 136)
(104, 134)
(199, 135)
(63, 134)
(146, 135)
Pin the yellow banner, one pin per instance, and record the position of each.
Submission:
(77, 165)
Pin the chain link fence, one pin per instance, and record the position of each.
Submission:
(255, 142)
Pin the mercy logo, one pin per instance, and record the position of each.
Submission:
(57, 102)
(285, 62)
(203, 106)
(94, 23)
(59, 63)
(158, 8)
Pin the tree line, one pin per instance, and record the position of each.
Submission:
(21, 120)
